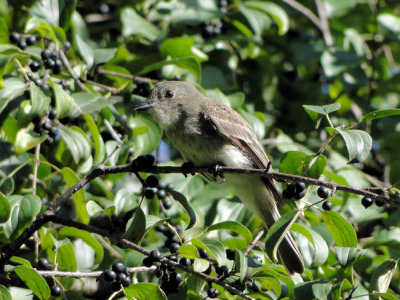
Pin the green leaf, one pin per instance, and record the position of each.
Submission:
(87, 238)
(10, 128)
(4, 293)
(321, 250)
(385, 296)
(389, 22)
(200, 244)
(136, 226)
(88, 103)
(258, 21)
(287, 280)
(181, 47)
(79, 197)
(98, 140)
(216, 250)
(33, 281)
(85, 51)
(234, 226)
(144, 291)
(382, 113)
(188, 251)
(337, 62)
(347, 255)
(241, 264)
(21, 261)
(5, 209)
(40, 102)
(322, 109)
(382, 276)
(341, 231)
(294, 162)
(277, 232)
(66, 260)
(321, 291)
(7, 185)
(64, 101)
(358, 144)
(47, 10)
(188, 63)
(15, 87)
(275, 11)
(23, 210)
(24, 141)
(76, 142)
(200, 264)
(67, 9)
(148, 142)
(133, 24)
(103, 55)
(185, 203)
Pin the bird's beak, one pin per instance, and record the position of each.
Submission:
(145, 106)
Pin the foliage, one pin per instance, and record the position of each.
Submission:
(318, 82)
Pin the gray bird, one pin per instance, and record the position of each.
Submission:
(207, 132)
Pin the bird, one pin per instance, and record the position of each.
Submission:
(207, 132)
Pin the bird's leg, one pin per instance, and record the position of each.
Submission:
(187, 168)
(215, 170)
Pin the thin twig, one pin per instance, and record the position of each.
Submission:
(305, 11)
(101, 86)
(254, 241)
(324, 23)
(89, 274)
(128, 76)
(66, 64)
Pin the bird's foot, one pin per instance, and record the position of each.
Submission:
(216, 171)
(187, 168)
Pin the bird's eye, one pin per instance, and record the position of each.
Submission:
(169, 94)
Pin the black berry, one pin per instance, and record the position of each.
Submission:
(212, 292)
(115, 286)
(379, 203)
(222, 270)
(176, 277)
(185, 261)
(366, 202)
(109, 275)
(30, 40)
(148, 262)
(159, 273)
(291, 187)
(67, 45)
(155, 255)
(118, 267)
(45, 54)
(149, 193)
(52, 114)
(55, 290)
(167, 203)
(286, 194)
(299, 195)
(323, 192)
(21, 44)
(300, 186)
(152, 181)
(120, 277)
(44, 264)
(173, 258)
(126, 282)
(161, 194)
(327, 205)
(34, 66)
(14, 37)
(174, 247)
(208, 271)
(203, 253)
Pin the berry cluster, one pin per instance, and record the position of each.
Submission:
(173, 241)
(323, 193)
(51, 60)
(212, 29)
(46, 125)
(22, 41)
(118, 275)
(156, 187)
(367, 202)
(43, 264)
(294, 190)
(223, 6)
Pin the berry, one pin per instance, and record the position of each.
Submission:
(155, 255)
(203, 253)
(230, 254)
(323, 192)
(176, 277)
(159, 273)
(152, 181)
(169, 187)
(55, 290)
(212, 292)
(366, 202)
(161, 228)
(64, 85)
(67, 45)
(38, 81)
(300, 195)
(208, 271)
(49, 140)
(21, 44)
(14, 37)
(161, 194)
(291, 187)
(104, 8)
(222, 270)
(174, 247)
(143, 161)
(109, 275)
(49, 64)
(147, 261)
(167, 203)
(57, 66)
(44, 264)
(46, 87)
(379, 203)
(327, 205)
(120, 277)
(185, 261)
(34, 66)
(150, 160)
(118, 267)
(53, 114)
(36, 119)
(45, 54)
(149, 193)
(300, 186)
(126, 282)
(30, 40)
(286, 194)
(173, 258)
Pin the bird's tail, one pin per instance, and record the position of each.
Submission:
(288, 252)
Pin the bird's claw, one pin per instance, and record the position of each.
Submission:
(187, 168)
(216, 171)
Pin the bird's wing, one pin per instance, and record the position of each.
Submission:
(234, 129)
